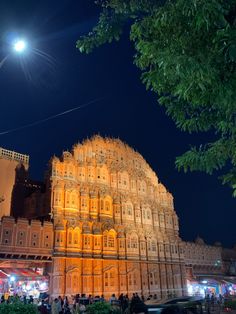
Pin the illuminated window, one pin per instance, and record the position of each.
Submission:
(86, 240)
(109, 241)
(107, 206)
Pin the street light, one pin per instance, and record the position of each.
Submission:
(19, 46)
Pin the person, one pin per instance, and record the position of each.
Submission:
(65, 302)
(60, 304)
(139, 307)
(42, 309)
(135, 299)
(112, 299)
(2, 299)
(55, 308)
(82, 308)
(90, 299)
(67, 309)
(125, 303)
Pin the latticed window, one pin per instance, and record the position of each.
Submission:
(142, 246)
(86, 240)
(107, 206)
(105, 241)
(154, 248)
(134, 243)
(129, 210)
(111, 241)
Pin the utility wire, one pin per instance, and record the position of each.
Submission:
(51, 117)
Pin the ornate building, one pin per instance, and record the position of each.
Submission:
(115, 228)
(202, 260)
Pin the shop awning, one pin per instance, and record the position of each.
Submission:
(216, 279)
(21, 274)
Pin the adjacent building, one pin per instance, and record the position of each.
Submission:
(13, 169)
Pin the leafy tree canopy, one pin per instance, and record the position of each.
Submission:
(186, 50)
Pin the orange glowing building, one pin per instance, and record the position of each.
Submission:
(115, 228)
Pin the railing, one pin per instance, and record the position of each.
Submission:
(8, 154)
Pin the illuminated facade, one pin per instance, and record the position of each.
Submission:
(13, 168)
(115, 228)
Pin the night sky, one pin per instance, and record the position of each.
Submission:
(43, 86)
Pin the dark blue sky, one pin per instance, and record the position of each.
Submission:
(127, 111)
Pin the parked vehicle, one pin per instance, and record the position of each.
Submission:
(183, 304)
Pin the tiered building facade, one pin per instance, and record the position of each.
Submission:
(115, 228)
(102, 223)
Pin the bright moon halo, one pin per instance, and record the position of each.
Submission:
(19, 46)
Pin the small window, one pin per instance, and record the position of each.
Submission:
(6, 241)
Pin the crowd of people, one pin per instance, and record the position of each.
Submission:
(133, 305)
(123, 302)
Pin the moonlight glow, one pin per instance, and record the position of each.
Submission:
(19, 46)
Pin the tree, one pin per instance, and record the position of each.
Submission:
(186, 50)
(17, 307)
